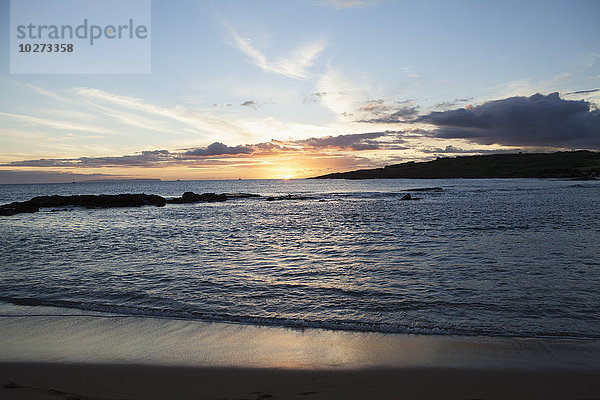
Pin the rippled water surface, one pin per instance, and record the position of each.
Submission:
(480, 257)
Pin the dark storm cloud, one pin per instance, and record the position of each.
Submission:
(522, 121)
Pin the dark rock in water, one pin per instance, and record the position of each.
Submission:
(289, 197)
(18, 208)
(241, 195)
(407, 196)
(57, 203)
(427, 189)
(86, 200)
(191, 197)
(101, 200)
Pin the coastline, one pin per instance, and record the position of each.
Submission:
(131, 357)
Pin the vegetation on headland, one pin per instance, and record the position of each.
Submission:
(581, 164)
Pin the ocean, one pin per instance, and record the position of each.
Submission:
(485, 257)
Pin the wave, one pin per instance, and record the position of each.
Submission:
(111, 311)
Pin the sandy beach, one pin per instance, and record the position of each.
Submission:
(85, 357)
(89, 381)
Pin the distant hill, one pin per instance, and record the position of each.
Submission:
(572, 164)
(112, 180)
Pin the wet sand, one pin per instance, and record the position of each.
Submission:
(83, 357)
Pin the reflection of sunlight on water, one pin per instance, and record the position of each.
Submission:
(352, 256)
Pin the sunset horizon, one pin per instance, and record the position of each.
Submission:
(320, 199)
(245, 91)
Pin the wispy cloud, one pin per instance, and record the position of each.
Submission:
(48, 93)
(200, 122)
(296, 65)
(340, 94)
(56, 124)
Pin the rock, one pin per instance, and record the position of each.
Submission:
(427, 189)
(191, 197)
(102, 200)
(57, 202)
(289, 197)
(241, 195)
(407, 196)
(86, 200)
(18, 208)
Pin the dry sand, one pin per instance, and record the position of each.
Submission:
(83, 357)
(72, 381)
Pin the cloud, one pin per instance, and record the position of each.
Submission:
(456, 150)
(295, 65)
(342, 94)
(375, 106)
(537, 120)
(315, 97)
(377, 111)
(218, 153)
(56, 124)
(448, 105)
(152, 158)
(355, 141)
(49, 93)
(218, 149)
(358, 141)
(197, 121)
(249, 103)
(584, 91)
(144, 159)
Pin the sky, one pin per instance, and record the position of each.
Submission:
(299, 88)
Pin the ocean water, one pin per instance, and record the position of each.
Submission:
(497, 257)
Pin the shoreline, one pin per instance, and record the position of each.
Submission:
(173, 342)
(83, 357)
(102, 339)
